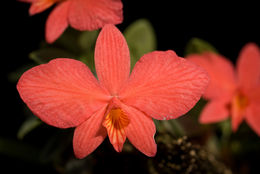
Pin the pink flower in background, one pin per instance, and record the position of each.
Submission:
(232, 92)
(64, 93)
(79, 14)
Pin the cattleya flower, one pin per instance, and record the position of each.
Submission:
(232, 92)
(64, 93)
(79, 14)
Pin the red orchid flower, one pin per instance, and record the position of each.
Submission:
(64, 93)
(232, 92)
(79, 14)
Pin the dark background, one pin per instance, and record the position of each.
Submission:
(226, 26)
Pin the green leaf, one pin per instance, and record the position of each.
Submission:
(69, 41)
(88, 59)
(87, 40)
(226, 130)
(27, 126)
(44, 55)
(141, 39)
(198, 46)
(172, 126)
(196, 110)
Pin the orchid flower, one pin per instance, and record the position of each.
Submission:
(79, 14)
(232, 92)
(64, 93)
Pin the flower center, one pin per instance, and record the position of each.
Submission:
(238, 108)
(115, 123)
(240, 102)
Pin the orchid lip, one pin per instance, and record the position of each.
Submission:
(115, 122)
(239, 105)
(240, 101)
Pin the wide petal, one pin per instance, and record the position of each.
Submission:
(214, 111)
(112, 59)
(221, 72)
(248, 66)
(164, 86)
(39, 6)
(254, 93)
(140, 131)
(57, 21)
(253, 116)
(94, 14)
(63, 93)
(89, 135)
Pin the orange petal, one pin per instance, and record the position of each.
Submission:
(112, 59)
(95, 14)
(140, 131)
(39, 6)
(214, 111)
(164, 86)
(248, 66)
(253, 116)
(89, 135)
(221, 72)
(57, 21)
(115, 122)
(63, 93)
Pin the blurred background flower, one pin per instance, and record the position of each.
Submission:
(233, 91)
(79, 14)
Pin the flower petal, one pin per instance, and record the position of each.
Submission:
(112, 59)
(89, 135)
(214, 111)
(57, 21)
(39, 6)
(94, 14)
(164, 86)
(248, 66)
(253, 117)
(140, 131)
(254, 93)
(63, 93)
(221, 72)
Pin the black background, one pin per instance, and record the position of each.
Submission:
(227, 26)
